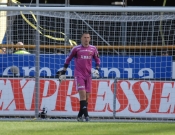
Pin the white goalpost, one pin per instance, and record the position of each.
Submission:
(136, 75)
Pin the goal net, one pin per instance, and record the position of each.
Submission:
(136, 74)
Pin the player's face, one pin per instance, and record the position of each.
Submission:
(85, 39)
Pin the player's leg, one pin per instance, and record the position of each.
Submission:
(79, 82)
(83, 103)
(80, 87)
(88, 83)
(87, 98)
(80, 114)
(83, 108)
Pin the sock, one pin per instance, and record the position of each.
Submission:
(80, 111)
(83, 105)
(87, 108)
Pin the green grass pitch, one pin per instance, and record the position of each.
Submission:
(85, 128)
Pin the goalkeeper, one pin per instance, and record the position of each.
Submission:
(83, 55)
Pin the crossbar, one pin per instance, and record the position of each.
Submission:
(99, 47)
(91, 9)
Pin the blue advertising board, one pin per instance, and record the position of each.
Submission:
(111, 66)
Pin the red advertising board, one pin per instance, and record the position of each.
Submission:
(133, 98)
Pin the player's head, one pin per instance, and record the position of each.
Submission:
(85, 39)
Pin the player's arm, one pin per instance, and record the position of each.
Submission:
(62, 74)
(97, 66)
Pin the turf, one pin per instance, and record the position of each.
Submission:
(91, 128)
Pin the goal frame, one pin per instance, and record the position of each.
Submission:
(91, 9)
(86, 9)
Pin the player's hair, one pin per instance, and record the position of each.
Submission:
(85, 33)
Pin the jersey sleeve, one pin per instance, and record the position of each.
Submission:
(97, 57)
(70, 56)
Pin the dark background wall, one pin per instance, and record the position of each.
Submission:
(107, 2)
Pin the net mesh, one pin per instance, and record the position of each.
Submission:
(108, 29)
(130, 46)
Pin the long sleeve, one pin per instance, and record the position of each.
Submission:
(96, 57)
(70, 56)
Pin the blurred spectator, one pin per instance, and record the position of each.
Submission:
(1, 51)
(4, 49)
(58, 51)
(165, 53)
(14, 70)
(7, 50)
(21, 50)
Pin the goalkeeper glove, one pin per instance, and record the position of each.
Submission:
(61, 75)
(95, 73)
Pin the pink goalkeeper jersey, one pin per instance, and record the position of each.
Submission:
(83, 59)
